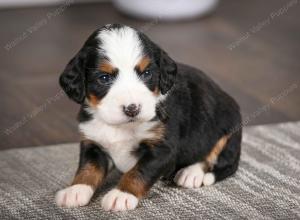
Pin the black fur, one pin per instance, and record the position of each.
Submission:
(91, 153)
(196, 113)
(167, 67)
(204, 113)
(73, 78)
(80, 70)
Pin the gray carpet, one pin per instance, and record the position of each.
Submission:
(266, 186)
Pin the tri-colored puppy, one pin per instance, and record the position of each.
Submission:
(148, 117)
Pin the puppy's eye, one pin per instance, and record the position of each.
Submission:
(147, 74)
(105, 79)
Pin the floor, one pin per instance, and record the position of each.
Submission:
(251, 49)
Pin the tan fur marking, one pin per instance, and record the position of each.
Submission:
(106, 67)
(212, 157)
(94, 101)
(143, 64)
(156, 91)
(158, 132)
(90, 175)
(85, 140)
(133, 182)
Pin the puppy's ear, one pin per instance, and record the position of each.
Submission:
(72, 80)
(167, 66)
(168, 71)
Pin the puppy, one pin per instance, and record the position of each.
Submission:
(146, 116)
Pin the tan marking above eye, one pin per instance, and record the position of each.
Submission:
(143, 64)
(106, 67)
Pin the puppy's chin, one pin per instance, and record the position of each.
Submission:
(119, 122)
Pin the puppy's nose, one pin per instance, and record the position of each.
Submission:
(131, 110)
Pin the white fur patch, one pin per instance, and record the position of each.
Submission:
(118, 141)
(74, 196)
(193, 176)
(116, 200)
(209, 179)
(122, 46)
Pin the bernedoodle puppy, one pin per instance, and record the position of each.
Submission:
(147, 116)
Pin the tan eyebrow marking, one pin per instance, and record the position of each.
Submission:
(106, 67)
(143, 64)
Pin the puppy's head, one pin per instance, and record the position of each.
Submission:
(120, 74)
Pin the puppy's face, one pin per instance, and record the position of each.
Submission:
(120, 74)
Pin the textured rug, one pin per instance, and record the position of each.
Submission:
(266, 186)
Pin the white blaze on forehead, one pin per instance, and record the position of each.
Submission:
(122, 46)
(124, 50)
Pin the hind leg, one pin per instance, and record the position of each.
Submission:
(194, 176)
(228, 160)
(220, 163)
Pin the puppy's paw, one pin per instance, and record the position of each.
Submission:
(116, 200)
(74, 196)
(191, 176)
(209, 179)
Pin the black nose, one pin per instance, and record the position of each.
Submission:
(131, 110)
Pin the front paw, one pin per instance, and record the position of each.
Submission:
(116, 200)
(74, 196)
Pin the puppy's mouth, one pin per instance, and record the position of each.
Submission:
(135, 120)
(131, 120)
(129, 123)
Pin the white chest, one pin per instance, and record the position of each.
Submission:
(118, 141)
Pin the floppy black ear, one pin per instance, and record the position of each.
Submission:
(72, 80)
(168, 71)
